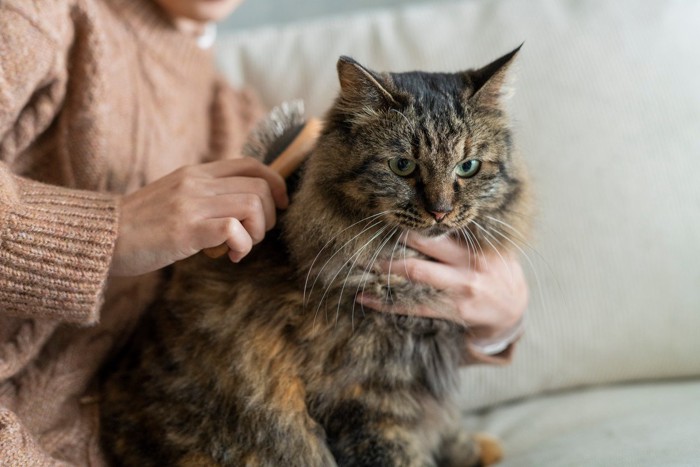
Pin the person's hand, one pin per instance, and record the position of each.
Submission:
(486, 292)
(196, 207)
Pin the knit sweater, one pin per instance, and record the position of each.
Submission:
(97, 99)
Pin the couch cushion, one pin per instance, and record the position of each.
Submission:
(607, 113)
(629, 425)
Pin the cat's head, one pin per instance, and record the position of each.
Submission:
(431, 152)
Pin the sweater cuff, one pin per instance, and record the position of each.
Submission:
(472, 356)
(56, 247)
(494, 351)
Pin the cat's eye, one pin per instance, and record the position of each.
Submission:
(402, 166)
(466, 169)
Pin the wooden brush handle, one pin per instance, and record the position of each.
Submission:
(285, 164)
(300, 147)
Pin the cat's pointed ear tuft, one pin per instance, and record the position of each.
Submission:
(487, 83)
(361, 86)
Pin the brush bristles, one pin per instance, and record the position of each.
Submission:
(281, 119)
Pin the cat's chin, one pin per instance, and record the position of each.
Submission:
(435, 230)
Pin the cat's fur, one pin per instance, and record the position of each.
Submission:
(271, 362)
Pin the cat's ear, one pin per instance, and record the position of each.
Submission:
(362, 87)
(487, 82)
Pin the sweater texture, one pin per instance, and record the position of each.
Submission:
(97, 99)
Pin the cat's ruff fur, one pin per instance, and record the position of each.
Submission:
(270, 361)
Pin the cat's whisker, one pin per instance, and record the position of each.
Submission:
(366, 273)
(357, 253)
(499, 221)
(341, 248)
(478, 245)
(522, 239)
(471, 246)
(519, 236)
(331, 283)
(395, 316)
(405, 258)
(384, 239)
(365, 279)
(530, 263)
(367, 220)
(503, 260)
(472, 243)
(391, 260)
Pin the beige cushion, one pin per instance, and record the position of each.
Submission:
(607, 113)
(630, 425)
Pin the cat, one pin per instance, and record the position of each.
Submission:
(271, 362)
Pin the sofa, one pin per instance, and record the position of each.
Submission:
(606, 110)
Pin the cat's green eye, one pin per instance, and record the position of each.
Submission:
(468, 168)
(402, 167)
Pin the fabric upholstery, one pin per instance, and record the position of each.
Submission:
(629, 425)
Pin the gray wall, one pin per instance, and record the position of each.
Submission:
(253, 13)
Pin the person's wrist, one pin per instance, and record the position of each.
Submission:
(494, 345)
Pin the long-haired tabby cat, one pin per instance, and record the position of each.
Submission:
(270, 362)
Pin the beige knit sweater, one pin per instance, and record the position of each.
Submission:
(97, 98)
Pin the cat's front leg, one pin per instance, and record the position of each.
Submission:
(277, 430)
(362, 436)
(290, 440)
(380, 445)
(386, 444)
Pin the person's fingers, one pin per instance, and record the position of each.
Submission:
(213, 232)
(438, 275)
(248, 209)
(497, 264)
(227, 190)
(445, 249)
(248, 167)
(422, 311)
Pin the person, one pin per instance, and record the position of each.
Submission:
(119, 155)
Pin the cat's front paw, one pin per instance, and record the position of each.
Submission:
(490, 450)
(464, 449)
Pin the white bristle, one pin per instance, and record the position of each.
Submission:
(280, 119)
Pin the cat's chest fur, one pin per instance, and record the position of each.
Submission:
(333, 343)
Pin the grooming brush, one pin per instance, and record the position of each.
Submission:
(282, 140)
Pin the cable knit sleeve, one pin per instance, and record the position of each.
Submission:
(56, 246)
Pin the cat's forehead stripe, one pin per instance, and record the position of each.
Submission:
(439, 138)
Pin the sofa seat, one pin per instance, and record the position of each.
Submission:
(628, 425)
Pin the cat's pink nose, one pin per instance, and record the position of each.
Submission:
(439, 215)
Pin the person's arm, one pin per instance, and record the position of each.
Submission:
(57, 246)
(55, 243)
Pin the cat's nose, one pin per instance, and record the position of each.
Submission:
(440, 215)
